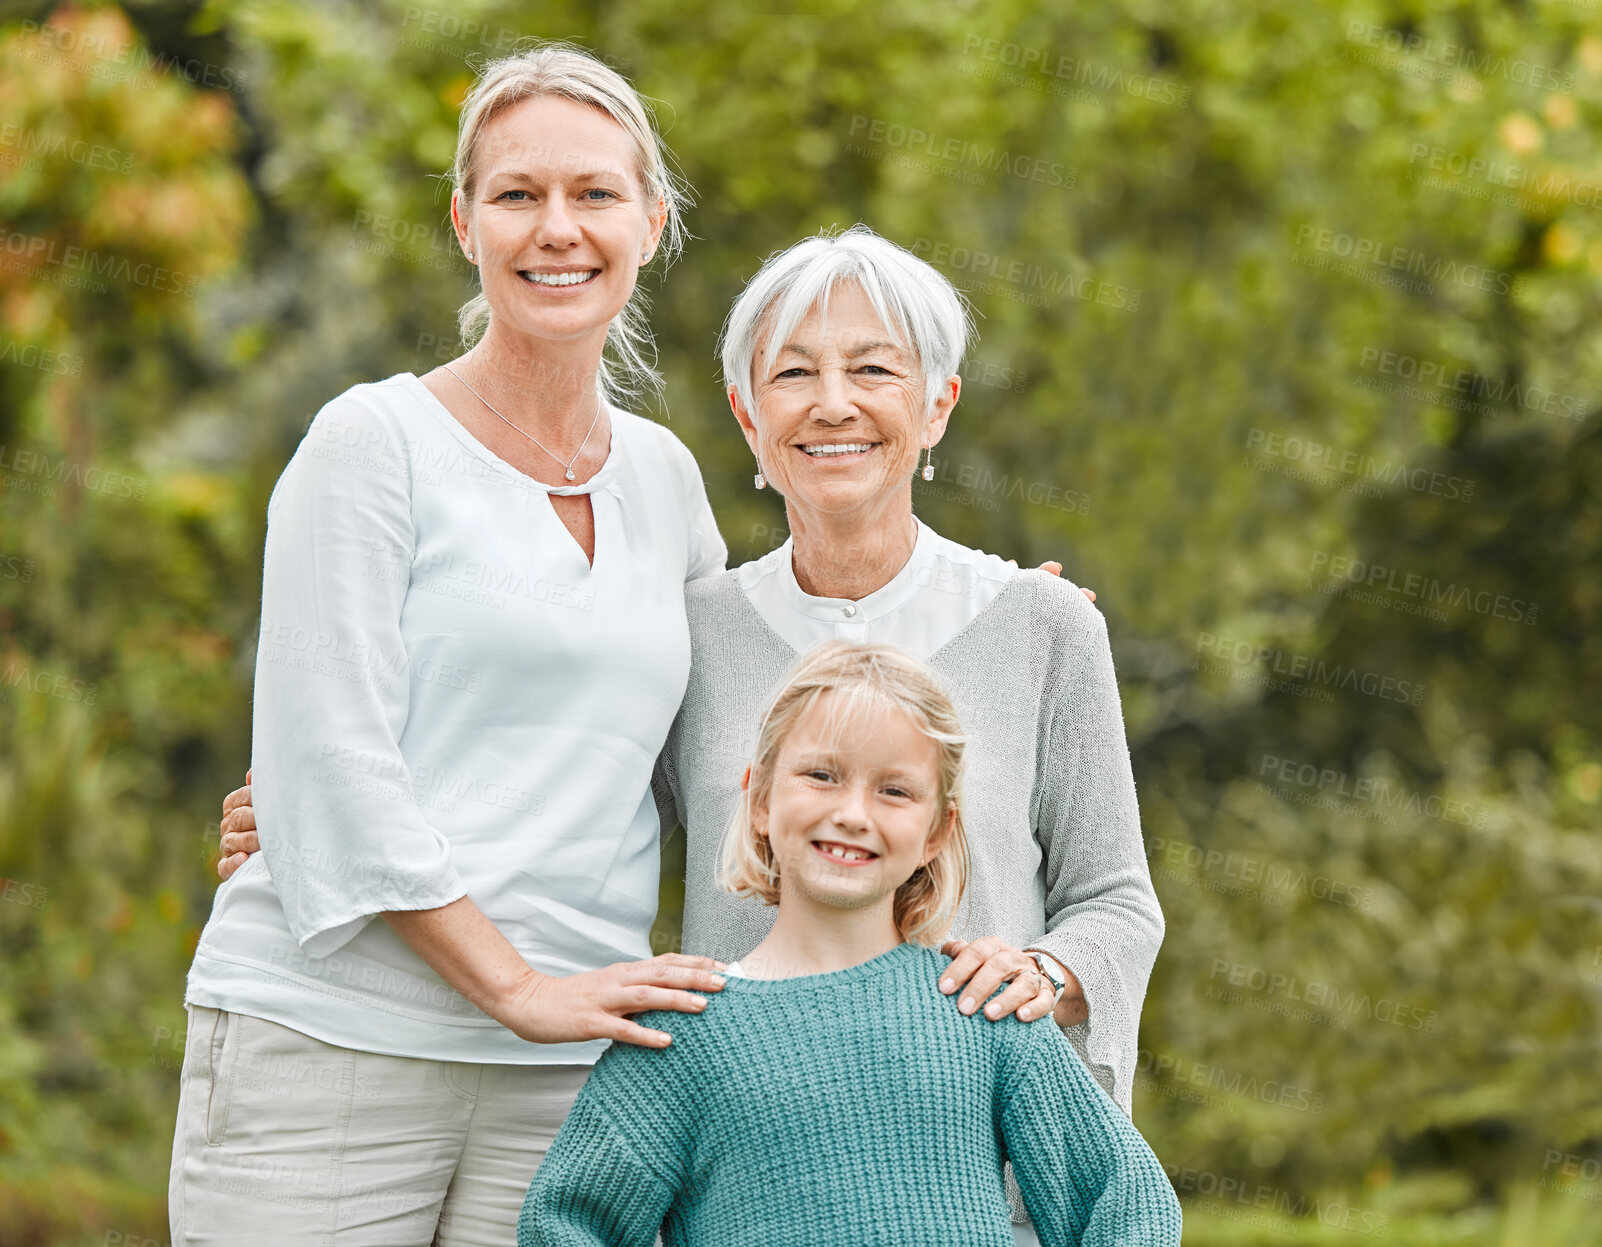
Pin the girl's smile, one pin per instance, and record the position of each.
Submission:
(846, 854)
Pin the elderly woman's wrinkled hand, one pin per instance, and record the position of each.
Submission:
(984, 965)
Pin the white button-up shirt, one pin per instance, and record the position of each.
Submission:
(939, 592)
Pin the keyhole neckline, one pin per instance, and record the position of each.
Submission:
(605, 476)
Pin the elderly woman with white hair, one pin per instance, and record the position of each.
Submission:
(490, 796)
(841, 360)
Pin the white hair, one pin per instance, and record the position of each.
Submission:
(911, 298)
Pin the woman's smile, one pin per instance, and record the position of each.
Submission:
(559, 280)
(838, 452)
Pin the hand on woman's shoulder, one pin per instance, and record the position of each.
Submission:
(1058, 597)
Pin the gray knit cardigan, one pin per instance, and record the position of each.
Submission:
(1048, 798)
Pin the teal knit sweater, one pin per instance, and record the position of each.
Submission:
(845, 1109)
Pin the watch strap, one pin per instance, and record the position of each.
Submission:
(1048, 967)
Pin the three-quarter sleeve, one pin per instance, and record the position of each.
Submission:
(1087, 1175)
(341, 832)
(593, 1189)
(1103, 921)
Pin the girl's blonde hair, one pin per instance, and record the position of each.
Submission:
(564, 69)
(926, 903)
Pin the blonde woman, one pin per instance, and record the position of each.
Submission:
(794, 1110)
(473, 643)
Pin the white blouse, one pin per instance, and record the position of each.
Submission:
(451, 701)
(939, 592)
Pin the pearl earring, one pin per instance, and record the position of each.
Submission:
(761, 481)
(928, 463)
(470, 256)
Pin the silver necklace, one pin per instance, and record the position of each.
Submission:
(568, 466)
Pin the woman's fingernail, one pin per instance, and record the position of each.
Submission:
(698, 1001)
(967, 1005)
(992, 1010)
(947, 985)
(718, 980)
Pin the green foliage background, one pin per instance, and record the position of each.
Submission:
(281, 157)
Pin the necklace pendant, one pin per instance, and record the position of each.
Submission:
(570, 474)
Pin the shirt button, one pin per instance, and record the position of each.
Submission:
(849, 609)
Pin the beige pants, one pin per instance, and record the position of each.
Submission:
(287, 1141)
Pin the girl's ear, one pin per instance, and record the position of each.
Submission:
(753, 811)
(941, 835)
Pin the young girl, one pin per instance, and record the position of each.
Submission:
(797, 1109)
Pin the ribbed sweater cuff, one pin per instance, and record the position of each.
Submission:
(1111, 1039)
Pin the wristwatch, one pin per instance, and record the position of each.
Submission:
(1048, 967)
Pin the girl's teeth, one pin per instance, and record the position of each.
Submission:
(560, 279)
